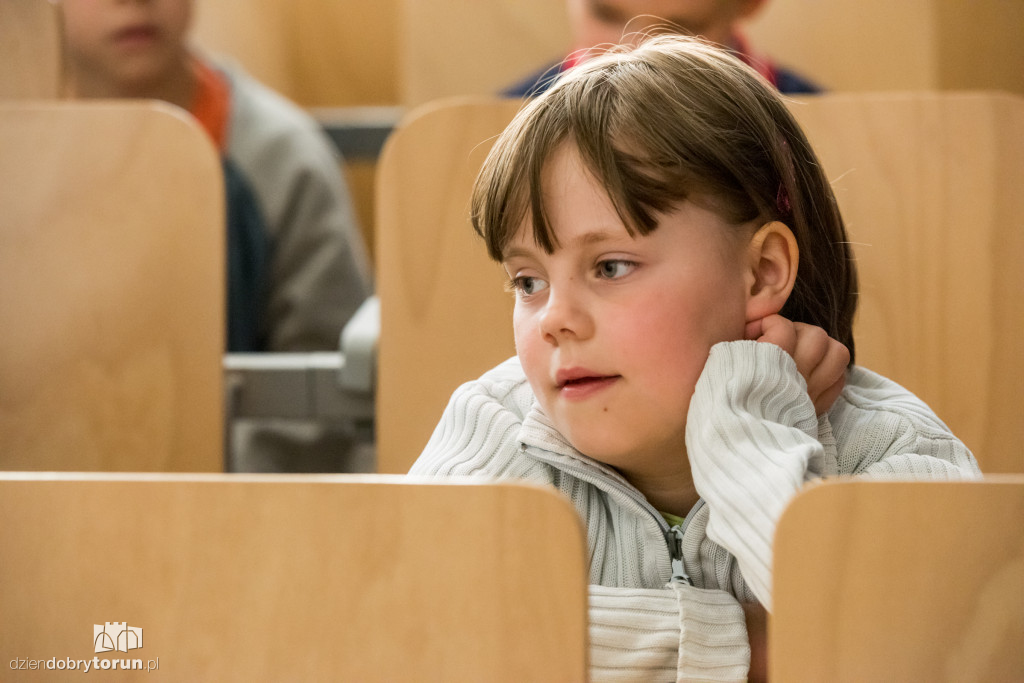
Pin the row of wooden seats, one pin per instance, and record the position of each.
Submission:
(927, 184)
(111, 253)
(372, 578)
(229, 544)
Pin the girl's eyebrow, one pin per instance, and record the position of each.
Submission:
(516, 252)
(596, 237)
(586, 239)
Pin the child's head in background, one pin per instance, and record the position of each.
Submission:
(651, 204)
(608, 22)
(118, 48)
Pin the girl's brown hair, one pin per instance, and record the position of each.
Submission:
(671, 120)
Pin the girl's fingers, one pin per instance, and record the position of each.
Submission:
(827, 379)
(819, 359)
(812, 344)
(824, 402)
(779, 331)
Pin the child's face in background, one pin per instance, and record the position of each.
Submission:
(613, 331)
(127, 43)
(599, 22)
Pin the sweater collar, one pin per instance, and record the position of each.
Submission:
(539, 436)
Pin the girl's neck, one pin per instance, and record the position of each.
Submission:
(177, 84)
(671, 492)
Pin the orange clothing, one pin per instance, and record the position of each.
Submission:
(212, 103)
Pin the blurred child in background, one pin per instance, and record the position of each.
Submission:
(297, 268)
(602, 23)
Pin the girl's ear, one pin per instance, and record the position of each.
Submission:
(773, 257)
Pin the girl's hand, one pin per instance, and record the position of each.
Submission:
(820, 359)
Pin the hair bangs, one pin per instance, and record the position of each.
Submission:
(670, 121)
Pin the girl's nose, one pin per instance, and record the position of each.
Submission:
(565, 316)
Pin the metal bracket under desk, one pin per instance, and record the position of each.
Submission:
(323, 386)
(299, 386)
(305, 387)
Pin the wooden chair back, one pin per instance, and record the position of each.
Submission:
(319, 53)
(111, 289)
(928, 188)
(445, 317)
(329, 577)
(900, 581)
(926, 182)
(30, 54)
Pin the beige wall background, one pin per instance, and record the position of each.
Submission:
(29, 50)
(320, 53)
(327, 53)
(459, 47)
(862, 45)
(453, 47)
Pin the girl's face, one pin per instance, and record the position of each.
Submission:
(613, 331)
(125, 43)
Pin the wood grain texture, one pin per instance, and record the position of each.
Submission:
(445, 317)
(331, 578)
(318, 53)
(361, 178)
(112, 297)
(29, 50)
(900, 581)
(449, 48)
(875, 45)
(927, 185)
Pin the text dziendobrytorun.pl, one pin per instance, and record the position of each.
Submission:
(84, 665)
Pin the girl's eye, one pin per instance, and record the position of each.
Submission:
(529, 285)
(614, 268)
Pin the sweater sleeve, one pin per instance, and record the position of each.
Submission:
(476, 435)
(752, 439)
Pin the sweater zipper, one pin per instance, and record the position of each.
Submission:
(673, 535)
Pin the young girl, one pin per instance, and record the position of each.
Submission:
(684, 302)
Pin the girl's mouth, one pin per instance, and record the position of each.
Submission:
(586, 386)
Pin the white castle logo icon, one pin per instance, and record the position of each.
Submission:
(116, 636)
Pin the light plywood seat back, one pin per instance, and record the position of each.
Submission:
(445, 317)
(29, 50)
(319, 53)
(900, 581)
(329, 578)
(111, 289)
(927, 184)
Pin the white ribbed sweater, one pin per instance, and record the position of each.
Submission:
(752, 438)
